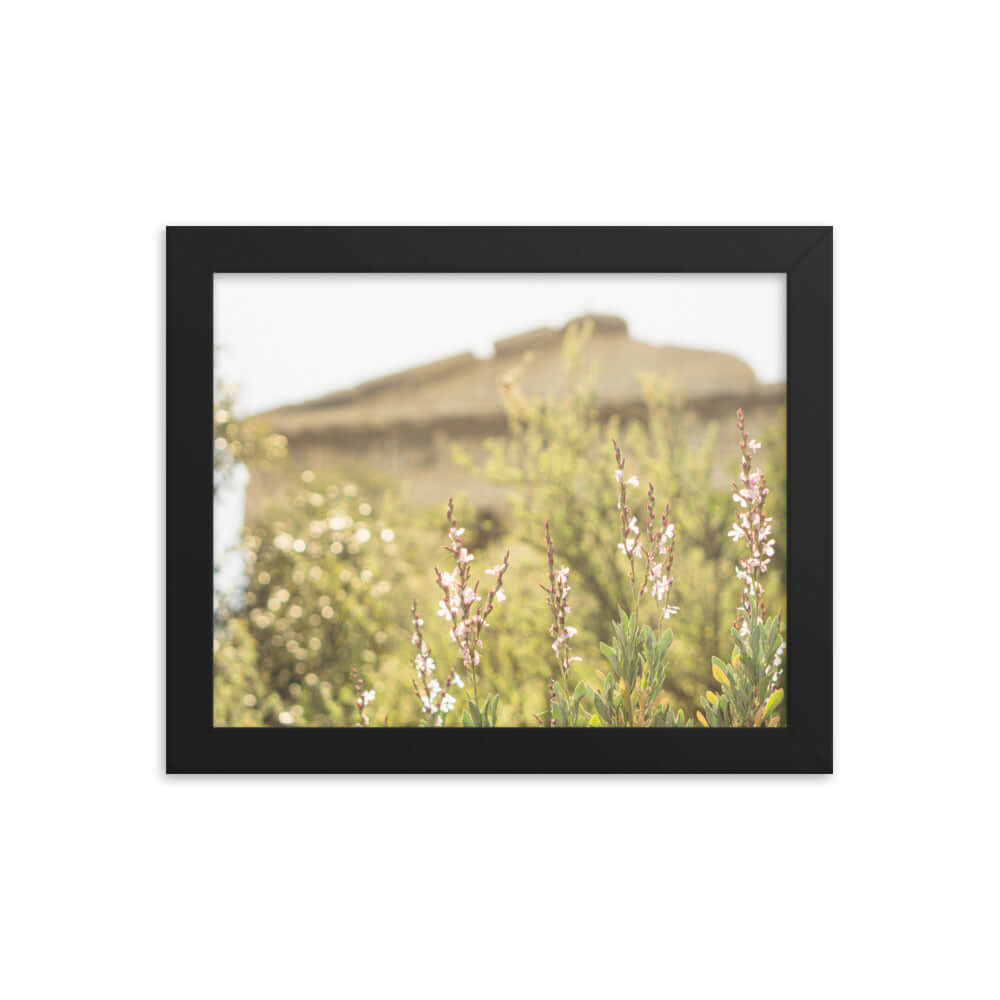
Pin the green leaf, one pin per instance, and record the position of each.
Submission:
(719, 674)
(477, 717)
(602, 708)
(773, 702)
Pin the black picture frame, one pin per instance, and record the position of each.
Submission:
(195, 254)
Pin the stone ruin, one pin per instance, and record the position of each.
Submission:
(404, 424)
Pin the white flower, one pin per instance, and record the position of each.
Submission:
(447, 704)
(567, 633)
(776, 662)
(670, 610)
(455, 679)
(494, 570)
(368, 697)
(501, 596)
(632, 481)
(753, 446)
(630, 546)
(735, 532)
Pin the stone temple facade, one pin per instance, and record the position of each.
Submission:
(404, 423)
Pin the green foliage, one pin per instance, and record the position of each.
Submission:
(238, 441)
(325, 593)
(567, 710)
(473, 717)
(553, 463)
(547, 462)
(747, 695)
(638, 670)
(240, 696)
(332, 567)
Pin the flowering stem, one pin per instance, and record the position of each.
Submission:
(461, 597)
(558, 600)
(436, 702)
(475, 687)
(362, 697)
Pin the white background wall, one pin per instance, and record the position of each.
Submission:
(876, 117)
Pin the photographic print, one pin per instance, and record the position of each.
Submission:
(500, 500)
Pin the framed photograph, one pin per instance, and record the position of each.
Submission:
(524, 500)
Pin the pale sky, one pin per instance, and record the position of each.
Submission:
(286, 338)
